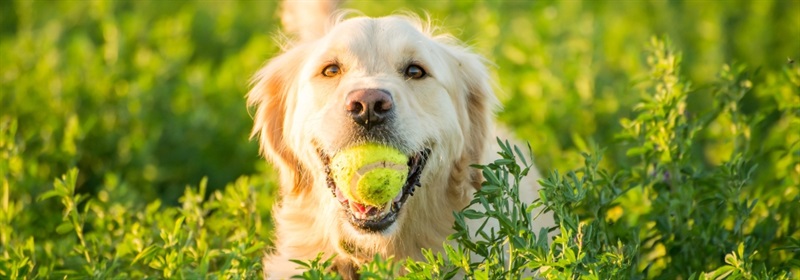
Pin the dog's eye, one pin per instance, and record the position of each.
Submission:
(331, 70)
(415, 72)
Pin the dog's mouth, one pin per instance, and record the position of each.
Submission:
(378, 218)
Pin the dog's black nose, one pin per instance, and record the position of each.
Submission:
(369, 107)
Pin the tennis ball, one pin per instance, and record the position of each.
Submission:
(370, 174)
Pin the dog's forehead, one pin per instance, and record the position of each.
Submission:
(374, 32)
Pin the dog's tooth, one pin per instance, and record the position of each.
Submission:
(353, 209)
(339, 195)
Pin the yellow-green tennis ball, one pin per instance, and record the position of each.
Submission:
(370, 174)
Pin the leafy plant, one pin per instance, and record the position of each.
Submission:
(659, 164)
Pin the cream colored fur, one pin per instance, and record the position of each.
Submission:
(299, 112)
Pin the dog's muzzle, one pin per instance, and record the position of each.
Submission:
(376, 219)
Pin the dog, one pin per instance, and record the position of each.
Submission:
(392, 80)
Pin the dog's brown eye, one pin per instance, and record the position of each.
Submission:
(331, 70)
(415, 72)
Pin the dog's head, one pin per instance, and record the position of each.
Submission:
(386, 80)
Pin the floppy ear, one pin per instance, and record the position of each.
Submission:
(481, 103)
(272, 87)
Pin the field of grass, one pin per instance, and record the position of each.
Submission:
(668, 131)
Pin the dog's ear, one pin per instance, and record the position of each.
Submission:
(272, 89)
(481, 104)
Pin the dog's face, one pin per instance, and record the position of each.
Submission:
(385, 80)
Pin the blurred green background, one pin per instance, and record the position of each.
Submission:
(147, 97)
(153, 91)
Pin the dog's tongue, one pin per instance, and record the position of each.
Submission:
(361, 208)
(363, 211)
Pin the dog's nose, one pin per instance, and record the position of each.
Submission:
(369, 107)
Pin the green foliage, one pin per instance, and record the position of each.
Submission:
(108, 109)
(215, 234)
(316, 269)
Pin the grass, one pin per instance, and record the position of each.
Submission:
(667, 131)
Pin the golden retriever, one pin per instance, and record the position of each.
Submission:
(391, 80)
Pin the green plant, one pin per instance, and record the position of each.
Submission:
(108, 109)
